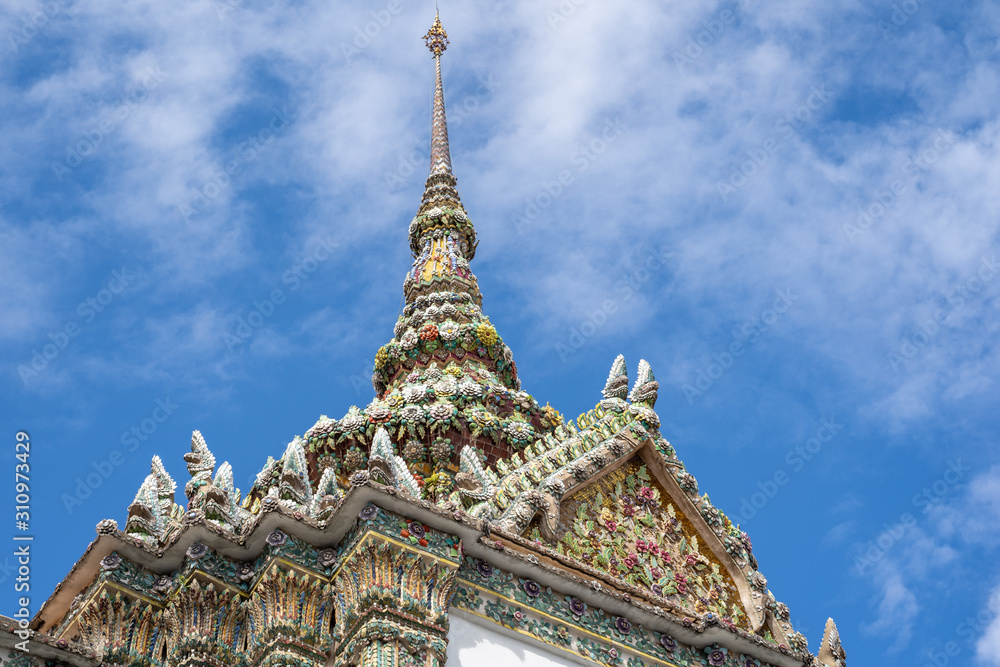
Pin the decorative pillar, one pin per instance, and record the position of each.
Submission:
(289, 618)
(392, 603)
(204, 627)
(122, 630)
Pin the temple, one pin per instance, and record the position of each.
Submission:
(453, 521)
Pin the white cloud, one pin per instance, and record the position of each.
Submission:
(988, 645)
(897, 607)
(915, 557)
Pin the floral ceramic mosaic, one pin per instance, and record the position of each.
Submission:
(624, 525)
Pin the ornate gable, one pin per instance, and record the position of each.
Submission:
(613, 497)
(627, 525)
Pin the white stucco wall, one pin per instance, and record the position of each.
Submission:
(474, 643)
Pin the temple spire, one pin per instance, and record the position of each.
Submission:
(441, 183)
(437, 41)
(442, 334)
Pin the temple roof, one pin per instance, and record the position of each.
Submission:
(603, 499)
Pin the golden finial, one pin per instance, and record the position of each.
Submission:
(436, 38)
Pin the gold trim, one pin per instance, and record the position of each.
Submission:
(550, 617)
(121, 589)
(292, 565)
(212, 580)
(402, 545)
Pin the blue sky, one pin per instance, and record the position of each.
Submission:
(790, 210)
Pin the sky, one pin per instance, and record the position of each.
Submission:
(789, 209)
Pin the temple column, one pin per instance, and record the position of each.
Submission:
(392, 604)
(290, 615)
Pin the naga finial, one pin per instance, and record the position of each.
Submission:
(617, 384)
(645, 389)
(293, 481)
(200, 465)
(328, 495)
(165, 485)
(831, 652)
(144, 516)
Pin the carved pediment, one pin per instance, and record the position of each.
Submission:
(627, 525)
(615, 497)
